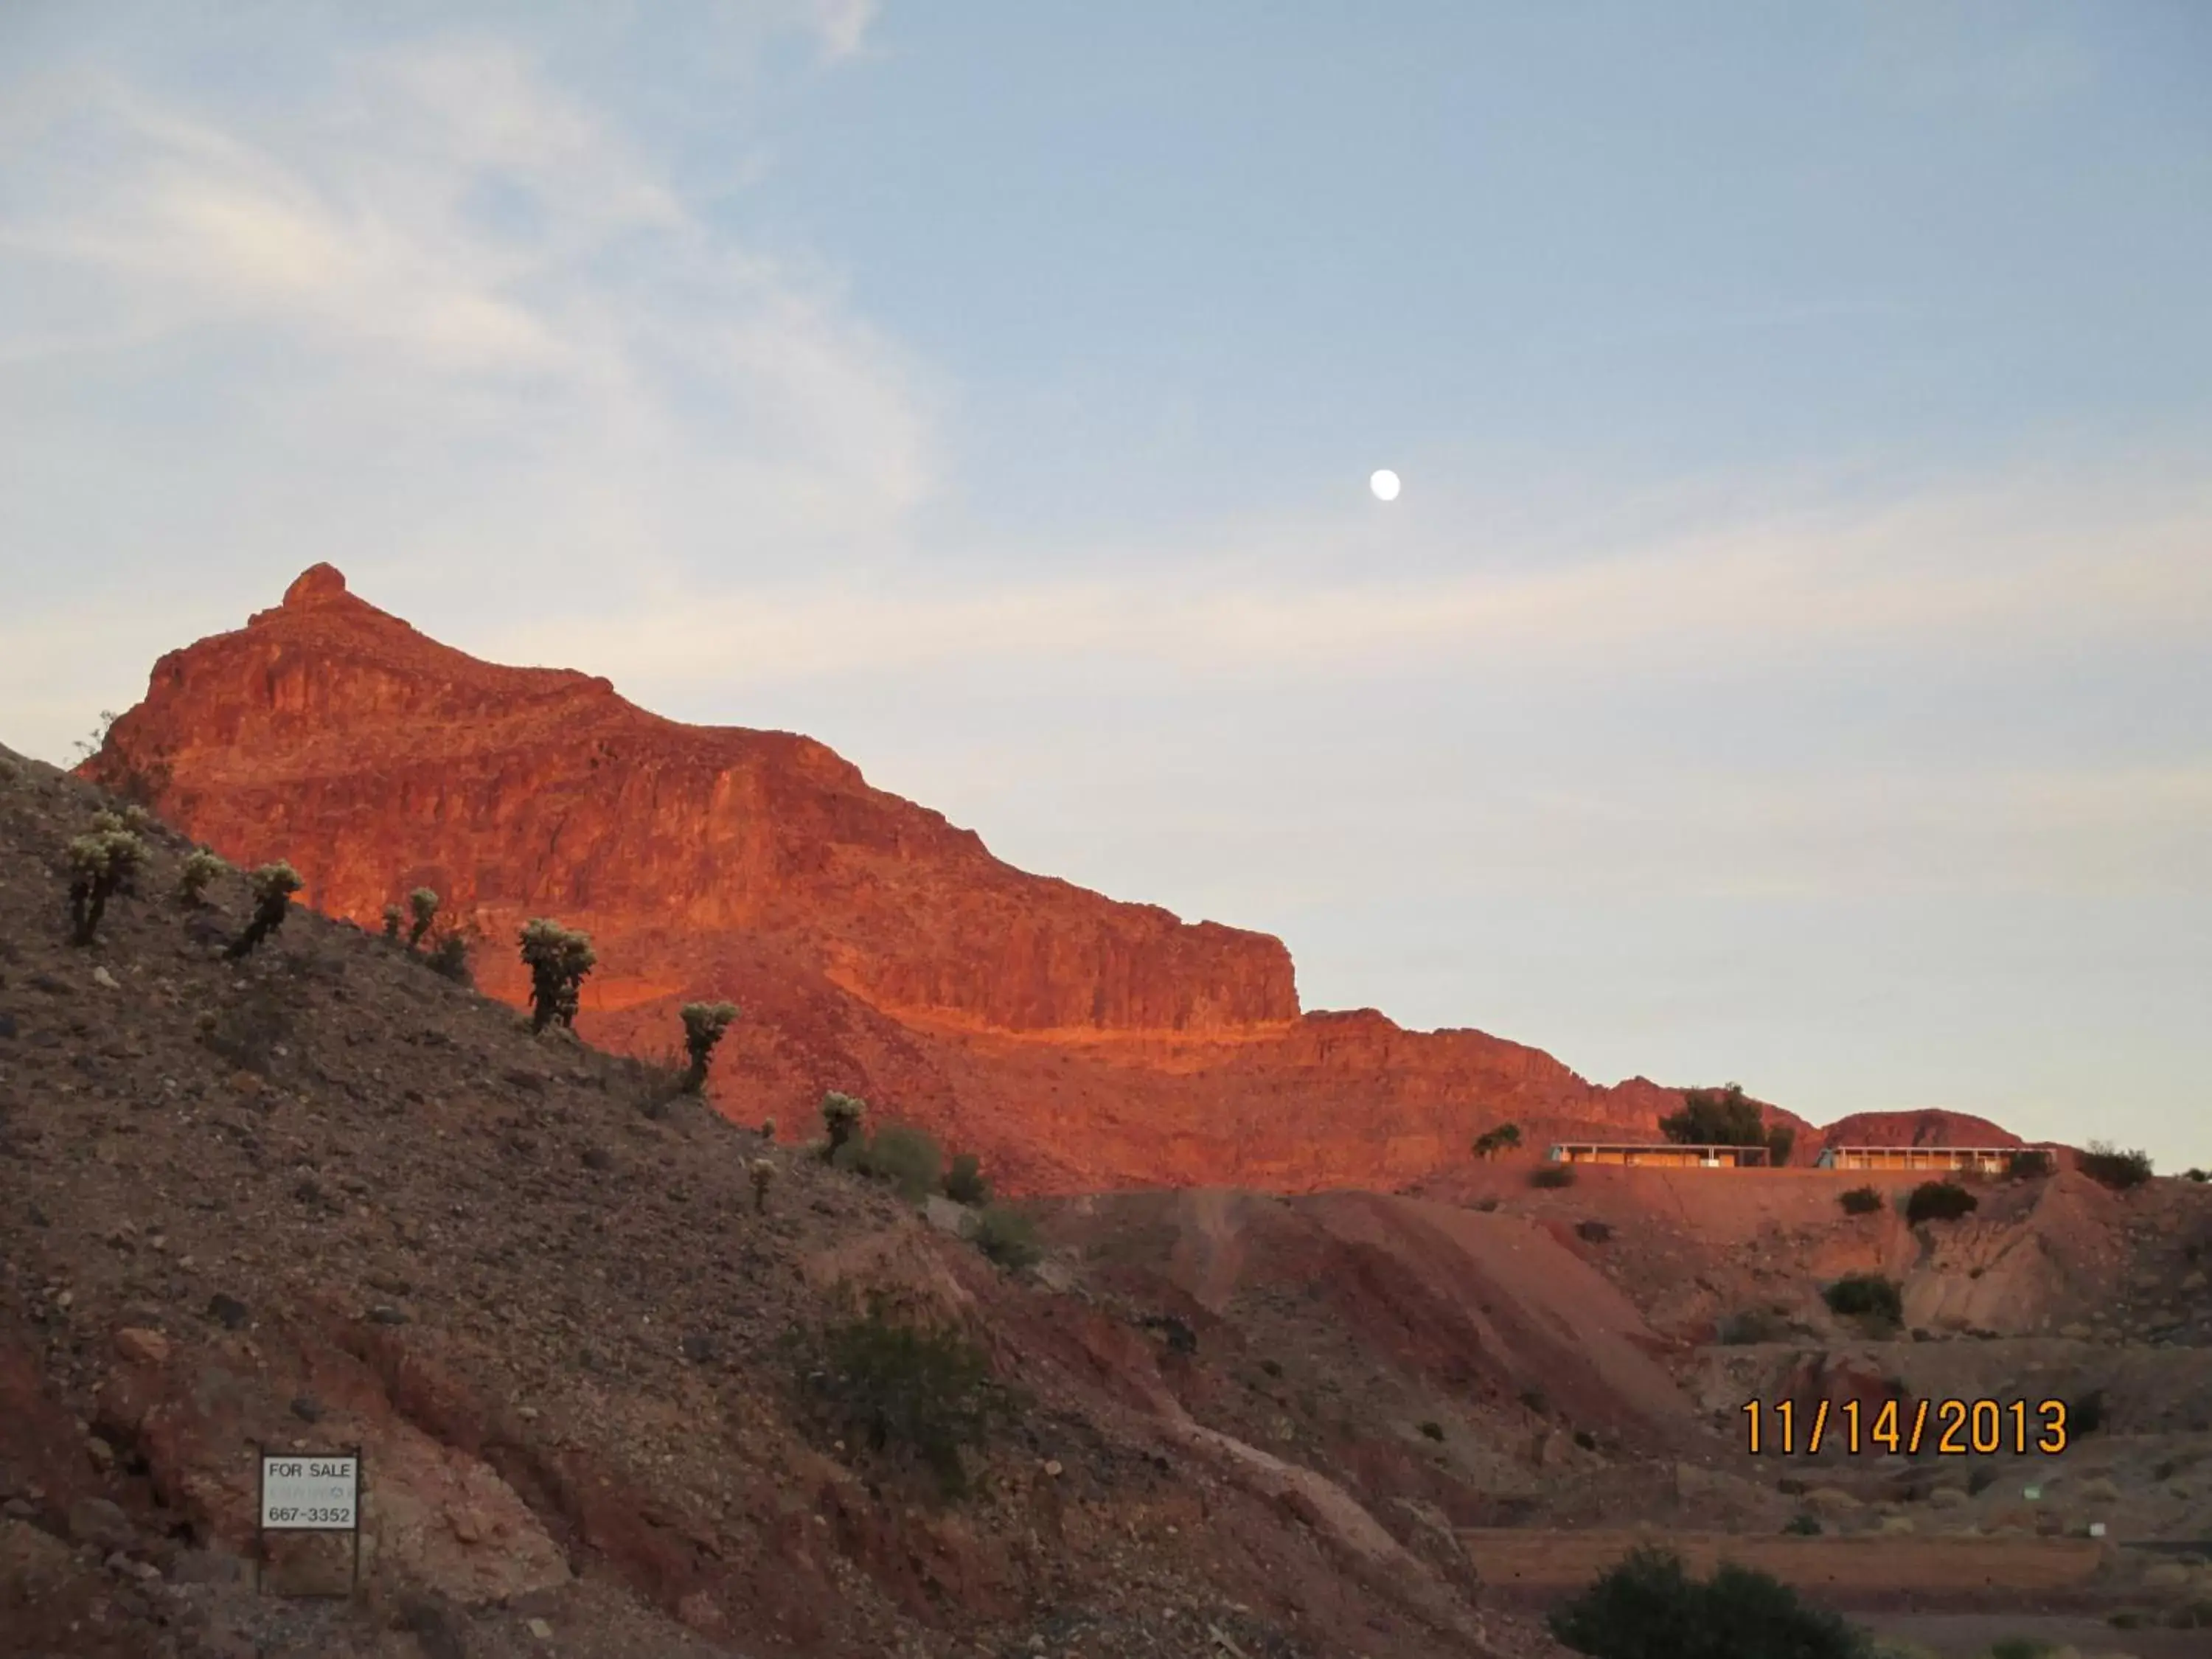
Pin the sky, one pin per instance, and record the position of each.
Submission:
(1790, 659)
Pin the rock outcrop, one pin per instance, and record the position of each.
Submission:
(1077, 1042)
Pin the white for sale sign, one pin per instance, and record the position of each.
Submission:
(307, 1493)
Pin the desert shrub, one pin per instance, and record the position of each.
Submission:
(1585, 1439)
(768, 1128)
(904, 1158)
(1781, 1141)
(100, 866)
(1595, 1232)
(1802, 1525)
(1432, 1429)
(1503, 1138)
(763, 1172)
(2107, 1165)
(1714, 1117)
(200, 867)
(965, 1181)
(2085, 1413)
(1008, 1236)
(1486, 1203)
(841, 1120)
(2021, 1647)
(1552, 1176)
(273, 885)
(1752, 1325)
(449, 958)
(905, 1393)
(2196, 1176)
(392, 918)
(2029, 1164)
(1939, 1201)
(558, 958)
(422, 908)
(1534, 1400)
(1865, 1295)
(10, 773)
(703, 1025)
(1860, 1200)
(1649, 1608)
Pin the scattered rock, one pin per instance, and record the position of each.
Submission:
(104, 980)
(228, 1311)
(101, 1454)
(99, 1522)
(143, 1347)
(540, 1629)
(384, 1314)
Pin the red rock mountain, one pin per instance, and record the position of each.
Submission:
(1077, 1043)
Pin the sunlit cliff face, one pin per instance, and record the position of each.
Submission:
(1074, 1042)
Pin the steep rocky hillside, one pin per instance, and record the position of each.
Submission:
(1080, 1043)
(321, 1197)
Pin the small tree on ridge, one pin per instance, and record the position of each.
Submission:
(703, 1025)
(558, 958)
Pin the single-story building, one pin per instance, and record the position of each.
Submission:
(1666, 1154)
(1986, 1160)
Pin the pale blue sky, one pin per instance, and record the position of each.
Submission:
(1788, 661)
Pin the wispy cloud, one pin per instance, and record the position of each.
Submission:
(1956, 572)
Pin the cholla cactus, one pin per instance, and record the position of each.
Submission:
(136, 819)
(392, 924)
(422, 903)
(558, 958)
(703, 1025)
(841, 1117)
(763, 1175)
(200, 867)
(273, 886)
(101, 864)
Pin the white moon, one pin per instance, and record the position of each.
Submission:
(1384, 483)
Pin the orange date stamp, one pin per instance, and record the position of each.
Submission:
(1949, 1428)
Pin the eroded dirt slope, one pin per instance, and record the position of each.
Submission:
(322, 1197)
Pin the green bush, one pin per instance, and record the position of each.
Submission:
(905, 1157)
(1801, 1525)
(1649, 1608)
(200, 867)
(2021, 1647)
(704, 1023)
(2029, 1164)
(1432, 1429)
(1861, 1200)
(2116, 1170)
(2085, 1413)
(1939, 1201)
(1752, 1325)
(840, 1119)
(1781, 1141)
(1714, 1117)
(1593, 1232)
(1865, 1295)
(449, 958)
(100, 866)
(558, 958)
(1008, 1238)
(965, 1181)
(906, 1394)
(273, 885)
(1552, 1176)
(1503, 1138)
